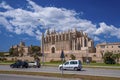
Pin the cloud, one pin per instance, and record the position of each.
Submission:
(96, 38)
(6, 24)
(25, 21)
(109, 30)
(5, 6)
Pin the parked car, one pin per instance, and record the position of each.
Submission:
(71, 65)
(19, 64)
(34, 64)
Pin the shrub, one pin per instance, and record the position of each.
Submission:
(72, 57)
(55, 61)
(93, 61)
(108, 58)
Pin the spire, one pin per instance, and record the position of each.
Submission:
(48, 32)
(75, 30)
(22, 44)
(54, 31)
(81, 32)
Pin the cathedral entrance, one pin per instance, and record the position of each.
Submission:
(53, 49)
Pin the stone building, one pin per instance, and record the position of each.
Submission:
(22, 47)
(71, 41)
(108, 47)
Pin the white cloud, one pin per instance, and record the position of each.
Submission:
(22, 21)
(96, 38)
(5, 6)
(5, 23)
(108, 30)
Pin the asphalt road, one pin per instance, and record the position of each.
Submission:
(85, 71)
(26, 77)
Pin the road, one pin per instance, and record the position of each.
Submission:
(26, 77)
(85, 71)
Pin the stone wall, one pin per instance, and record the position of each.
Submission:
(28, 58)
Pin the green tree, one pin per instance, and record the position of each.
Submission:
(1, 54)
(72, 57)
(13, 52)
(109, 58)
(116, 57)
(34, 50)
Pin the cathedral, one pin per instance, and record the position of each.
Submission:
(71, 41)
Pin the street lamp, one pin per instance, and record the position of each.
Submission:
(42, 45)
(42, 41)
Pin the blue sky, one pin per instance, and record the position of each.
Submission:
(19, 19)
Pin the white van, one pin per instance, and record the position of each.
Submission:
(71, 65)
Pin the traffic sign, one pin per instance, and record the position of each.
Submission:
(62, 55)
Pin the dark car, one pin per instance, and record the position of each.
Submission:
(25, 64)
(19, 64)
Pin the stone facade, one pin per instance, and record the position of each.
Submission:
(105, 47)
(23, 46)
(71, 41)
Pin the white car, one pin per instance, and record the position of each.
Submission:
(34, 64)
(71, 65)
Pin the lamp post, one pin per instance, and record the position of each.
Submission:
(42, 44)
(42, 41)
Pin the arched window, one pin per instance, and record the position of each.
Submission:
(53, 50)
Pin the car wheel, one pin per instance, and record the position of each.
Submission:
(11, 66)
(75, 68)
(33, 66)
(79, 69)
(26, 67)
(61, 68)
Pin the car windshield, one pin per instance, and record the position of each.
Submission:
(66, 63)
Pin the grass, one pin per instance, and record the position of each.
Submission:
(6, 62)
(58, 75)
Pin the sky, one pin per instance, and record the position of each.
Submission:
(25, 20)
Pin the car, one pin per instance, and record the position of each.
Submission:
(19, 64)
(25, 64)
(34, 64)
(71, 65)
